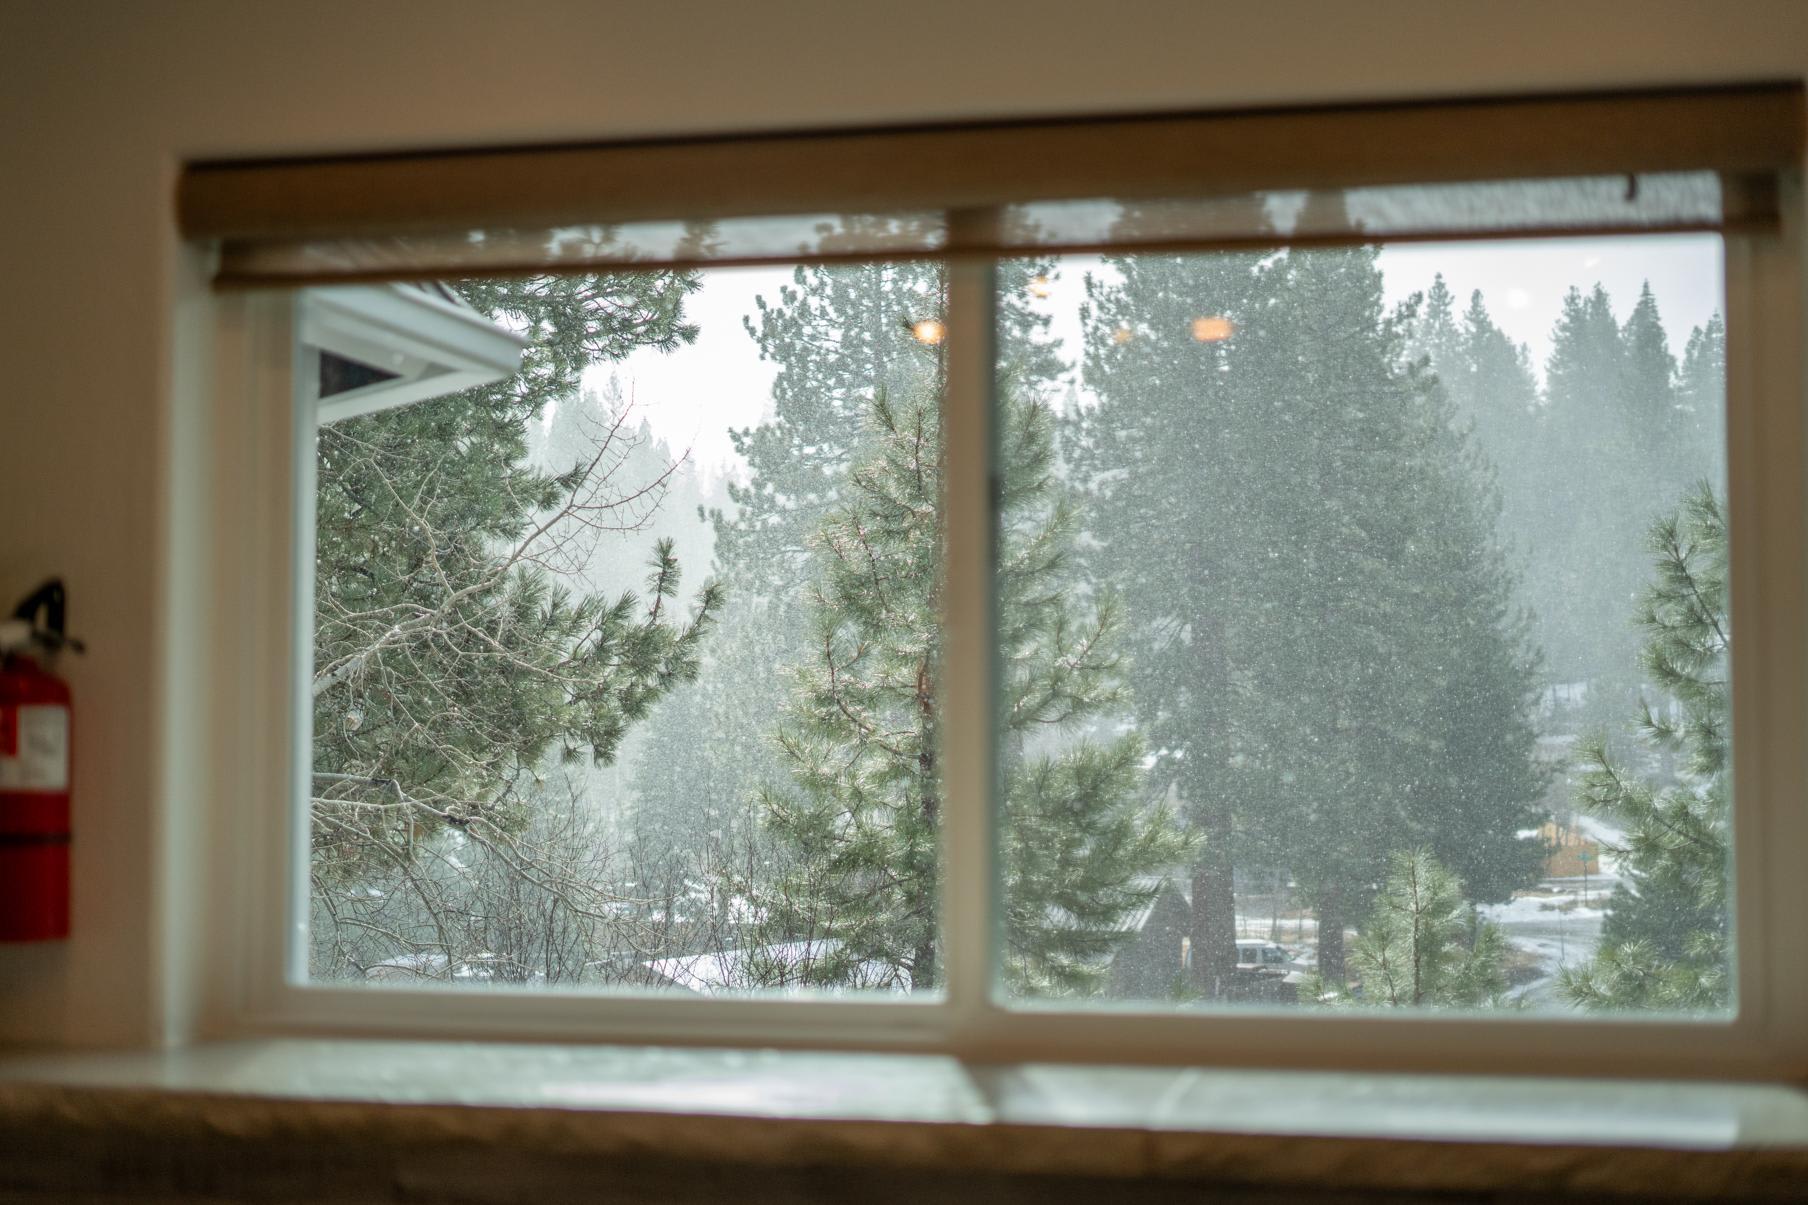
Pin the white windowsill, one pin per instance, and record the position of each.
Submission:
(918, 1113)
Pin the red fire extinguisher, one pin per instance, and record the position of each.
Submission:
(34, 771)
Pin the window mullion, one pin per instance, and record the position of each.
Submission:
(1765, 517)
(969, 909)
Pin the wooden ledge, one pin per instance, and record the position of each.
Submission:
(357, 1120)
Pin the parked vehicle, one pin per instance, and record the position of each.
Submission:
(1263, 957)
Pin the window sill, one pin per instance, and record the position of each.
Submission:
(493, 1121)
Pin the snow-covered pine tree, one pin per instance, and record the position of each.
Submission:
(859, 823)
(1665, 941)
(1422, 945)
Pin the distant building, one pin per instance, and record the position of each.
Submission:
(1570, 853)
(1151, 962)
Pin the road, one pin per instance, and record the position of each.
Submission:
(1555, 926)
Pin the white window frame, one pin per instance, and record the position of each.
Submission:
(264, 467)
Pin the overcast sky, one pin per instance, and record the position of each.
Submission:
(694, 396)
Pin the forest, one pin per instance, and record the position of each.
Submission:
(1333, 634)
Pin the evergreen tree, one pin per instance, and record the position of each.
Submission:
(1403, 675)
(1701, 397)
(1618, 426)
(659, 499)
(1665, 941)
(1306, 541)
(1167, 459)
(1647, 399)
(448, 664)
(1494, 388)
(860, 820)
(1423, 946)
(839, 335)
(693, 809)
(1586, 463)
(1436, 335)
(658, 495)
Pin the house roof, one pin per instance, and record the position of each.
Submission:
(383, 346)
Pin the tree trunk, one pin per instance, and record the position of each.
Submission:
(1331, 967)
(922, 959)
(1214, 928)
(922, 966)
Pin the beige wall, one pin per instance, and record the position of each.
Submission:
(99, 103)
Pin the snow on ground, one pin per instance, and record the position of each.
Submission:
(1556, 925)
(784, 965)
(1536, 908)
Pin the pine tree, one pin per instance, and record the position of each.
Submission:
(1585, 463)
(1648, 392)
(1166, 460)
(1403, 669)
(1665, 941)
(691, 809)
(1489, 381)
(1701, 397)
(1493, 387)
(448, 663)
(1619, 425)
(839, 335)
(859, 822)
(1423, 946)
(1618, 444)
(1334, 662)
(1436, 336)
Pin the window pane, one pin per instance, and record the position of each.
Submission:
(625, 661)
(1364, 631)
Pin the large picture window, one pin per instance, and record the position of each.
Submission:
(1351, 654)
(1139, 569)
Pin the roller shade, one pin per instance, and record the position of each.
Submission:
(1699, 160)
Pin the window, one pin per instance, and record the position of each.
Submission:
(1376, 644)
(591, 663)
(1127, 628)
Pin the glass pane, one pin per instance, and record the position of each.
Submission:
(625, 661)
(1363, 616)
